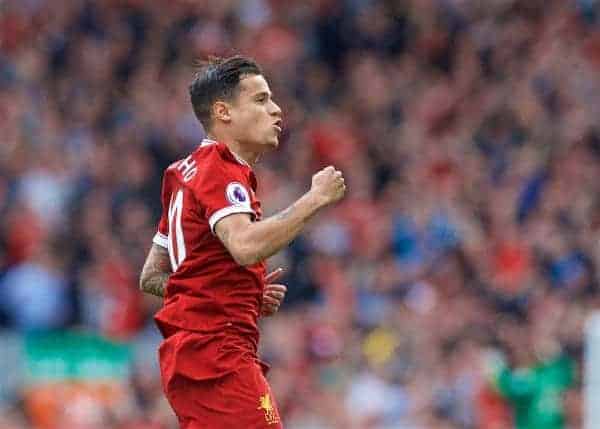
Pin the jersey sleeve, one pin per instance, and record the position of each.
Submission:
(161, 237)
(223, 193)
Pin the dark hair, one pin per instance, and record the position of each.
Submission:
(218, 79)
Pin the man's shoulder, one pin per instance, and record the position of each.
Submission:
(205, 160)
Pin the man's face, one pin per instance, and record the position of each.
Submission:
(255, 117)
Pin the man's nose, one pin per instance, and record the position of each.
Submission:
(276, 110)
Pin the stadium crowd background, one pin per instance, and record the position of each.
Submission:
(468, 133)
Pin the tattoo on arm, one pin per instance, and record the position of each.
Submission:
(157, 284)
(250, 243)
(156, 271)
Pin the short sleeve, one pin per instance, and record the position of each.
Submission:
(224, 193)
(161, 237)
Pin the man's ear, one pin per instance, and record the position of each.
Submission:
(221, 112)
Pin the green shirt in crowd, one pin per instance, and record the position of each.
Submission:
(536, 393)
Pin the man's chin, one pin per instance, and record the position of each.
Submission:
(272, 144)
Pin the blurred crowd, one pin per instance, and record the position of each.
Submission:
(458, 270)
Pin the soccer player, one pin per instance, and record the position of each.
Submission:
(207, 258)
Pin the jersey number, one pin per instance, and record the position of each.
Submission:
(176, 244)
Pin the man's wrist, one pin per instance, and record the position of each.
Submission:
(314, 201)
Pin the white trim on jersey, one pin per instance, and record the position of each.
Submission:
(207, 142)
(226, 211)
(161, 239)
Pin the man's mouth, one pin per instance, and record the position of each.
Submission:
(278, 125)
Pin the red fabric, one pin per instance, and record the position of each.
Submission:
(25, 235)
(334, 141)
(512, 262)
(14, 31)
(125, 315)
(494, 412)
(206, 393)
(209, 293)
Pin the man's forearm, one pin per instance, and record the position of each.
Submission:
(156, 271)
(155, 284)
(267, 237)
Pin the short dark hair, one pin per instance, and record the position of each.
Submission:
(218, 79)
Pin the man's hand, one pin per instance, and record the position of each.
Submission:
(273, 294)
(328, 185)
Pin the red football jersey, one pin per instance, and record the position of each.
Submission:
(208, 291)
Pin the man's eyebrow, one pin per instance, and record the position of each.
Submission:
(263, 92)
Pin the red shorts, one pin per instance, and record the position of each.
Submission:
(215, 395)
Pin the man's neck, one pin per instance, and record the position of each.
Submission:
(249, 157)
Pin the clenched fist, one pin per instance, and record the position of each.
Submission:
(328, 185)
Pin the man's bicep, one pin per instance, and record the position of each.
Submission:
(231, 227)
